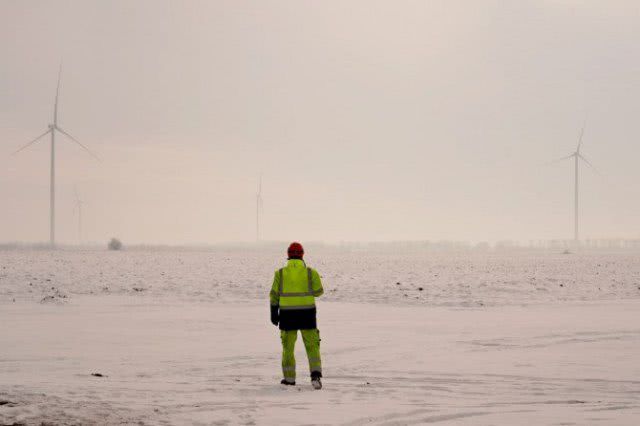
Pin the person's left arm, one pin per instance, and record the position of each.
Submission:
(274, 299)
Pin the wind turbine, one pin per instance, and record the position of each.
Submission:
(79, 207)
(577, 156)
(52, 180)
(258, 207)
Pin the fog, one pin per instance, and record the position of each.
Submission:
(368, 120)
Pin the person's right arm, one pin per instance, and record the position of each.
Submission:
(316, 284)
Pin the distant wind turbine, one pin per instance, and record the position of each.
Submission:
(52, 183)
(577, 156)
(258, 207)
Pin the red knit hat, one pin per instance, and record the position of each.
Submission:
(295, 250)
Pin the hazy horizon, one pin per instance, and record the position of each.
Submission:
(369, 121)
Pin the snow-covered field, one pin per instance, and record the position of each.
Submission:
(183, 337)
(446, 278)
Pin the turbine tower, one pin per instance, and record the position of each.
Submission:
(577, 156)
(79, 207)
(258, 207)
(52, 179)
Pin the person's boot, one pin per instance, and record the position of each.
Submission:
(287, 383)
(315, 380)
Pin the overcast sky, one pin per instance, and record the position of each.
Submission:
(369, 120)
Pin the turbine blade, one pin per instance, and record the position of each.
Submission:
(32, 142)
(560, 159)
(581, 134)
(55, 105)
(589, 164)
(78, 142)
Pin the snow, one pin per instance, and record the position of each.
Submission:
(194, 344)
(447, 278)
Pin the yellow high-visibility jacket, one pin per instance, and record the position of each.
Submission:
(294, 290)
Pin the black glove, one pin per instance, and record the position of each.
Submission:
(275, 318)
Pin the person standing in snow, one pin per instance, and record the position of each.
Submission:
(293, 308)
